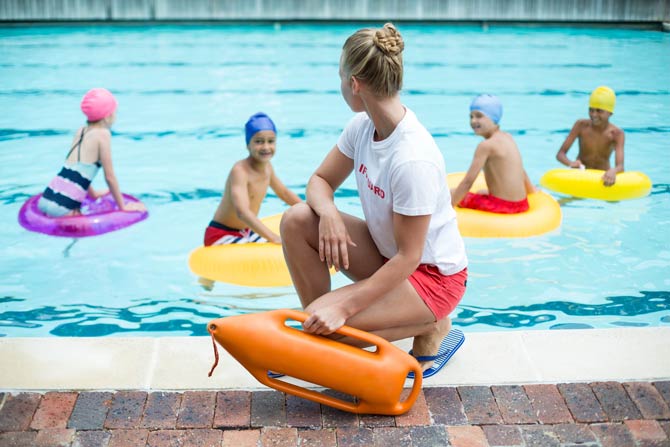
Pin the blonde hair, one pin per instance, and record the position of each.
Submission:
(375, 57)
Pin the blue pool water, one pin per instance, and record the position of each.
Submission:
(184, 95)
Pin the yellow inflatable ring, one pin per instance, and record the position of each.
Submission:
(252, 264)
(543, 215)
(588, 184)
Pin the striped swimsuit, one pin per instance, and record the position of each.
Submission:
(69, 188)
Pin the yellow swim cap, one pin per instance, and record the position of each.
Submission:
(603, 98)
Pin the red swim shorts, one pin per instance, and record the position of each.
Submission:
(441, 293)
(219, 234)
(492, 204)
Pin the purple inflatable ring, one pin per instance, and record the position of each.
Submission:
(98, 217)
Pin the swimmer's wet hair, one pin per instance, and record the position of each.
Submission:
(374, 56)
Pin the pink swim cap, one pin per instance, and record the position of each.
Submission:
(98, 103)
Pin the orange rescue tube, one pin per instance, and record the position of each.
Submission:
(263, 341)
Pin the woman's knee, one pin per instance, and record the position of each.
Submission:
(296, 219)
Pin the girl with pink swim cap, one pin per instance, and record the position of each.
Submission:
(91, 149)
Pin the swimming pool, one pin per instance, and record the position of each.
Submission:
(184, 94)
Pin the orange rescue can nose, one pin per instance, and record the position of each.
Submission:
(375, 378)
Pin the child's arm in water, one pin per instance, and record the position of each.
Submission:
(110, 177)
(285, 194)
(569, 140)
(609, 177)
(478, 161)
(240, 197)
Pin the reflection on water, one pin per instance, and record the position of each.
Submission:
(9, 194)
(660, 188)
(181, 317)
(188, 316)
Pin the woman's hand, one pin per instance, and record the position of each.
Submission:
(333, 241)
(324, 321)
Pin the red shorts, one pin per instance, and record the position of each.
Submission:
(219, 234)
(492, 204)
(441, 293)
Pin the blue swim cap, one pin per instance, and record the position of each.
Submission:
(489, 105)
(257, 122)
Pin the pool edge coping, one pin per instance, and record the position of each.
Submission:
(182, 363)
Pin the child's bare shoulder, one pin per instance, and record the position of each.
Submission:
(486, 145)
(582, 123)
(615, 129)
(241, 166)
(499, 142)
(100, 133)
(581, 126)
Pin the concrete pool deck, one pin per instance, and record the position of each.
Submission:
(563, 387)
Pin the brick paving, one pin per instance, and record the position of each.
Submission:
(600, 414)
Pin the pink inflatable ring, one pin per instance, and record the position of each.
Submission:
(98, 217)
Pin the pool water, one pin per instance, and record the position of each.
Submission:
(184, 94)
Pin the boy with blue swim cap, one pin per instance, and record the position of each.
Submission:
(236, 218)
(499, 157)
(598, 138)
(489, 105)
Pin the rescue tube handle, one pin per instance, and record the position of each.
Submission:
(380, 343)
(348, 331)
(362, 406)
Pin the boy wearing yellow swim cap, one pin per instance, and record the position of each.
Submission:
(598, 138)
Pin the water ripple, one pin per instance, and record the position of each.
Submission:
(326, 91)
(207, 133)
(202, 133)
(11, 194)
(190, 315)
(267, 63)
(540, 313)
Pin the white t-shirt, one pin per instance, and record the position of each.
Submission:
(404, 174)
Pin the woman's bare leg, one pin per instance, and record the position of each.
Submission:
(299, 230)
(398, 315)
(403, 314)
(428, 343)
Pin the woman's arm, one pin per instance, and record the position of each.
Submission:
(334, 169)
(330, 312)
(333, 235)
